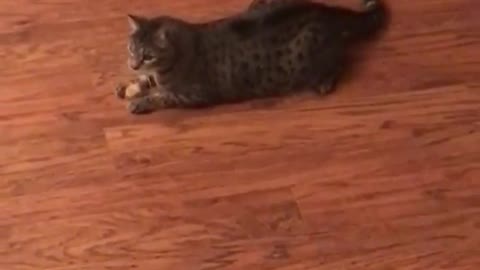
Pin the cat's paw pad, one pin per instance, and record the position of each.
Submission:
(120, 91)
(140, 106)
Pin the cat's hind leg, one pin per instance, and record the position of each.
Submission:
(327, 85)
(329, 67)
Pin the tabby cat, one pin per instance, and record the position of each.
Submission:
(274, 47)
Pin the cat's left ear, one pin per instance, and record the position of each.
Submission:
(135, 22)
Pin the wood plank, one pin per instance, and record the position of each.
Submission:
(381, 175)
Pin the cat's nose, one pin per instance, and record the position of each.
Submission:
(133, 64)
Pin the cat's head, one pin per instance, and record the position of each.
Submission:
(150, 46)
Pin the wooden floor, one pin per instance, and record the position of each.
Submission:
(384, 174)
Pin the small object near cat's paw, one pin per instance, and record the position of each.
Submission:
(120, 91)
(134, 90)
(139, 106)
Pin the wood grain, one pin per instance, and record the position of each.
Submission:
(384, 174)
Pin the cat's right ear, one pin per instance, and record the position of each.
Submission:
(135, 22)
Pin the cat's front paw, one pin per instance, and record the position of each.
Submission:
(140, 106)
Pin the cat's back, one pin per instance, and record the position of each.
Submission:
(268, 19)
(264, 49)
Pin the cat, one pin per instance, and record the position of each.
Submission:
(273, 48)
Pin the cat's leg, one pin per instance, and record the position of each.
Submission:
(327, 85)
(151, 103)
(159, 100)
(328, 81)
(136, 88)
(332, 64)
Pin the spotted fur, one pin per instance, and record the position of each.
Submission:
(275, 47)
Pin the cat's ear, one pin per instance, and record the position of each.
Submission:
(135, 22)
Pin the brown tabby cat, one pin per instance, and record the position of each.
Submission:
(274, 48)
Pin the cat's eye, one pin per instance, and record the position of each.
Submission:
(148, 57)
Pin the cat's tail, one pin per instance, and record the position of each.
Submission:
(376, 15)
(370, 20)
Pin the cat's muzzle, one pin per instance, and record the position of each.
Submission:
(134, 64)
